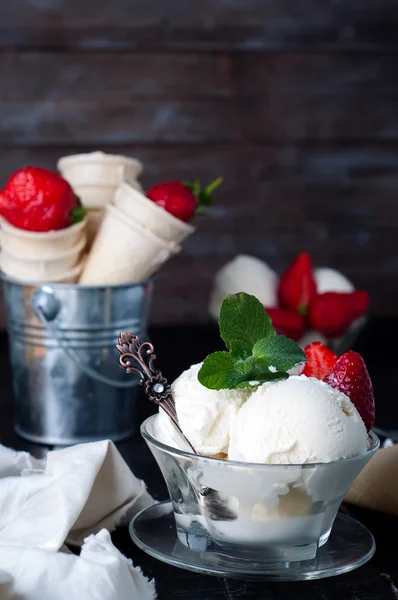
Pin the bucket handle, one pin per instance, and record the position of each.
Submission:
(46, 307)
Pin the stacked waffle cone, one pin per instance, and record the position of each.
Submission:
(94, 176)
(142, 235)
(124, 238)
(43, 228)
(54, 256)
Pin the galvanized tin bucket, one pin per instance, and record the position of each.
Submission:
(67, 382)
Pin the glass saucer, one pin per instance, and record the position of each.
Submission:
(350, 545)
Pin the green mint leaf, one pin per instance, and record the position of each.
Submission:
(255, 353)
(222, 371)
(243, 319)
(277, 352)
(254, 383)
(279, 375)
(245, 366)
(240, 349)
(250, 385)
(218, 372)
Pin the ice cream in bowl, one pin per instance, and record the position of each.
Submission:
(258, 444)
(305, 303)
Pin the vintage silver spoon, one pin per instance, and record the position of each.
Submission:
(138, 357)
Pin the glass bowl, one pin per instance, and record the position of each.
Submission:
(259, 512)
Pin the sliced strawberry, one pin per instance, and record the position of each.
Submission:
(287, 323)
(297, 285)
(321, 360)
(350, 375)
(331, 313)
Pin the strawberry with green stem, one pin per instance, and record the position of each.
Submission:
(37, 199)
(182, 199)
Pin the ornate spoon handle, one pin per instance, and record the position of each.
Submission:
(138, 357)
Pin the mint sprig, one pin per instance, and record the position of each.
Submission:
(279, 352)
(244, 321)
(255, 353)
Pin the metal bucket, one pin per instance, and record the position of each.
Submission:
(67, 382)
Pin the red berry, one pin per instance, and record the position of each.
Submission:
(350, 375)
(287, 323)
(183, 200)
(321, 360)
(174, 197)
(297, 285)
(331, 313)
(36, 199)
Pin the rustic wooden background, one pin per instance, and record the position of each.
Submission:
(294, 102)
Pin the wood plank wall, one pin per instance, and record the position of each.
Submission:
(294, 103)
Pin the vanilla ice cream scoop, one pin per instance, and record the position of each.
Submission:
(296, 421)
(244, 274)
(330, 280)
(205, 416)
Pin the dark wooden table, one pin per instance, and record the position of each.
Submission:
(177, 348)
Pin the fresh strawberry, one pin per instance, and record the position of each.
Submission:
(287, 323)
(297, 285)
(36, 199)
(321, 360)
(350, 375)
(183, 200)
(331, 313)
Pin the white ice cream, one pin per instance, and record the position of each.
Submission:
(204, 415)
(296, 421)
(329, 280)
(300, 420)
(244, 274)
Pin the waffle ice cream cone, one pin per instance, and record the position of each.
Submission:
(67, 276)
(95, 198)
(124, 252)
(94, 220)
(26, 267)
(94, 177)
(98, 195)
(98, 168)
(40, 244)
(70, 276)
(149, 215)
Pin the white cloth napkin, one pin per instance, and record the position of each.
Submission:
(75, 493)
